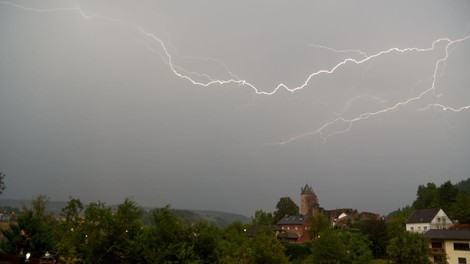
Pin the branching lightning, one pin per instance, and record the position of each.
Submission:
(360, 52)
(204, 79)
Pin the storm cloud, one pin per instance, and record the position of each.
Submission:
(363, 100)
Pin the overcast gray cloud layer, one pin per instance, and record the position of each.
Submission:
(92, 106)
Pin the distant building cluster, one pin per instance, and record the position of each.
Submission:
(7, 216)
(448, 240)
(294, 228)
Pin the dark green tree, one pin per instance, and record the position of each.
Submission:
(396, 221)
(328, 249)
(205, 238)
(447, 195)
(267, 249)
(68, 234)
(71, 213)
(464, 186)
(376, 232)
(318, 224)
(105, 235)
(284, 207)
(408, 248)
(263, 247)
(426, 197)
(95, 234)
(262, 218)
(39, 205)
(460, 209)
(32, 233)
(234, 244)
(296, 252)
(167, 240)
(357, 247)
(125, 227)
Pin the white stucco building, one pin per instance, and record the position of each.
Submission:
(425, 219)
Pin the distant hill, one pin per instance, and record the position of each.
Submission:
(52, 206)
(221, 219)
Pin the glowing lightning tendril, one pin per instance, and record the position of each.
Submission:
(186, 74)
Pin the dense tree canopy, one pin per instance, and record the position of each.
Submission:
(426, 196)
(408, 248)
(376, 231)
(33, 231)
(284, 207)
(464, 185)
(97, 233)
(262, 218)
(451, 198)
(318, 224)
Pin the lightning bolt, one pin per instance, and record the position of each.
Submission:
(360, 52)
(346, 124)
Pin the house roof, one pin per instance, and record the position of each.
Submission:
(287, 235)
(422, 216)
(251, 231)
(448, 234)
(293, 219)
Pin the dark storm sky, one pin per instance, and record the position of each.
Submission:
(364, 100)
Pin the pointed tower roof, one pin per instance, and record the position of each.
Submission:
(306, 190)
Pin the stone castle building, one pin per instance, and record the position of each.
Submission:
(308, 201)
(309, 206)
(296, 226)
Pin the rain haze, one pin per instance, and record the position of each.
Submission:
(231, 105)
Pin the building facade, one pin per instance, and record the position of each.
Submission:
(308, 201)
(423, 220)
(296, 227)
(451, 244)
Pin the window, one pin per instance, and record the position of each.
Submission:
(462, 261)
(425, 228)
(461, 246)
(419, 228)
(439, 259)
(436, 245)
(412, 228)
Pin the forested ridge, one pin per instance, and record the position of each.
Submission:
(127, 233)
(453, 199)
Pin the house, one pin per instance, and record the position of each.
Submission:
(281, 234)
(295, 227)
(455, 244)
(423, 220)
(343, 220)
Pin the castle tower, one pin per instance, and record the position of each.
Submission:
(308, 201)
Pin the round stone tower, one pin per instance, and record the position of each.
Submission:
(308, 201)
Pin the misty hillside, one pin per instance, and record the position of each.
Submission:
(221, 219)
